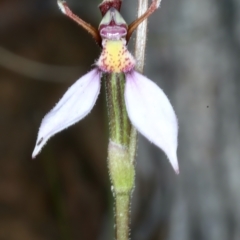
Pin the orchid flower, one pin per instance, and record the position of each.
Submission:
(148, 108)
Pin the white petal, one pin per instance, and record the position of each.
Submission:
(152, 114)
(75, 104)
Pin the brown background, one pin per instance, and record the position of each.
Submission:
(193, 53)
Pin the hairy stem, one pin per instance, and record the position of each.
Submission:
(122, 219)
(123, 136)
(121, 169)
(118, 120)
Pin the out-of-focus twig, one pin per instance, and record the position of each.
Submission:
(36, 70)
(141, 36)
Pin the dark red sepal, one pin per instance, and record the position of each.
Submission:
(106, 5)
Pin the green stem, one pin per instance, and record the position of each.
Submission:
(122, 175)
(119, 123)
(123, 136)
(122, 211)
(120, 164)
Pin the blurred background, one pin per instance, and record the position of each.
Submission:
(193, 53)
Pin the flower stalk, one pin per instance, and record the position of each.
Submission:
(123, 136)
(118, 119)
(121, 168)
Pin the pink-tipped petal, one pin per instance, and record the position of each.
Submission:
(75, 104)
(152, 114)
